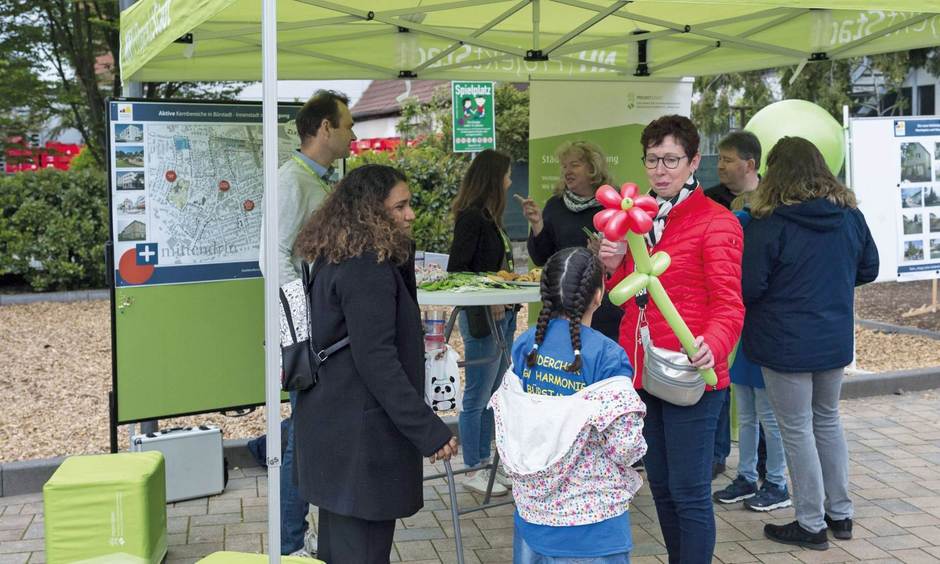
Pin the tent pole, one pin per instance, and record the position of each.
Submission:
(272, 339)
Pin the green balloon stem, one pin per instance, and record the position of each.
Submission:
(641, 257)
(677, 324)
(628, 287)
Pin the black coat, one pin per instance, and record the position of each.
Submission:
(361, 432)
(800, 268)
(563, 228)
(477, 245)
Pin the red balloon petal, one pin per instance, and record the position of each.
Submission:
(629, 190)
(602, 217)
(609, 197)
(647, 204)
(617, 227)
(641, 222)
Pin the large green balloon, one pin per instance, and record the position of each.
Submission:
(799, 118)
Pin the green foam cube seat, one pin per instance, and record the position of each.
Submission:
(105, 509)
(243, 558)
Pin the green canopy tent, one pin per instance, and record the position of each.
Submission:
(512, 40)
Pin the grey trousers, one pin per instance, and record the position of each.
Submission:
(807, 408)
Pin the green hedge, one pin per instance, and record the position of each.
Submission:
(53, 227)
(434, 177)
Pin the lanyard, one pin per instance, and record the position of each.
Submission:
(326, 185)
(507, 248)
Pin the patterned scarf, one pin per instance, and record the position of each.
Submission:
(665, 206)
(576, 203)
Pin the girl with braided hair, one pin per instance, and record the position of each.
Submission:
(569, 425)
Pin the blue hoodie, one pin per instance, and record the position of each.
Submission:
(800, 267)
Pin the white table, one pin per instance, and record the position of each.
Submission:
(459, 301)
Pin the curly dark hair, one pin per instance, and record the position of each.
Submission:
(353, 219)
(569, 281)
(680, 127)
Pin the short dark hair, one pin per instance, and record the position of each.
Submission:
(678, 126)
(324, 104)
(745, 143)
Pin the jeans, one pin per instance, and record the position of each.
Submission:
(680, 447)
(723, 433)
(522, 553)
(807, 408)
(482, 380)
(754, 411)
(293, 508)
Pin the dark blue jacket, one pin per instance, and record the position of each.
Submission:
(800, 267)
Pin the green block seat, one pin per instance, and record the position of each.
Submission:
(242, 558)
(106, 509)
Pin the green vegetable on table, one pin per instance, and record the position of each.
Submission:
(465, 280)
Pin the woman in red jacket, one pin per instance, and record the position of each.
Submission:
(704, 241)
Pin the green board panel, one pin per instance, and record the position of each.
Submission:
(188, 348)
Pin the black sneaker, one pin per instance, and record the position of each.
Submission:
(793, 533)
(737, 490)
(639, 466)
(769, 497)
(841, 529)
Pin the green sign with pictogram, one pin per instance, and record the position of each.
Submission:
(474, 116)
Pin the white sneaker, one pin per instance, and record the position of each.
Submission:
(301, 553)
(310, 541)
(477, 482)
(503, 479)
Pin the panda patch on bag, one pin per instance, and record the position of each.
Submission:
(442, 390)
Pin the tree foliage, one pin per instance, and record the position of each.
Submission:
(829, 84)
(54, 55)
(53, 227)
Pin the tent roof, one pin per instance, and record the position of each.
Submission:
(515, 40)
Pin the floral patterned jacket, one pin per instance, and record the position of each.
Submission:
(570, 457)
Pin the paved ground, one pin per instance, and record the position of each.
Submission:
(894, 443)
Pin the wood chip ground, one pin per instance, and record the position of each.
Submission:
(55, 375)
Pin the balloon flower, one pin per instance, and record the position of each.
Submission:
(629, 215)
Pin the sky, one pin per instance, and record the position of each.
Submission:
(301, 90)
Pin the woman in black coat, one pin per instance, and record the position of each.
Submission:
(480, 244)
(362, 430)
(569, 212)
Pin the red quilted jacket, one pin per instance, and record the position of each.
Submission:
(705, 242)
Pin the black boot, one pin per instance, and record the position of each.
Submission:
(841, 529)
(793, 533)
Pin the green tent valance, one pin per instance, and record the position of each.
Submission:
(518, 40)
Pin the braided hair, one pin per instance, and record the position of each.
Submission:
(569, 281)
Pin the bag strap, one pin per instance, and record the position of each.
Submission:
(309, 274)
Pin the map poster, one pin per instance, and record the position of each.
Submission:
(918, 198)
(187, 189)
(474, 116)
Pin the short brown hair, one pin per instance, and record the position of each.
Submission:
(797, 172)
(680, 127)
(353, 219)
(324, 104)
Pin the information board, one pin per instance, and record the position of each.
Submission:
(186, 208)
(896, 176)
(474, 116)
